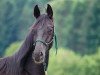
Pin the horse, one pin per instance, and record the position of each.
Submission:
(33, 55)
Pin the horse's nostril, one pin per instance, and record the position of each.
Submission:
(41, 53)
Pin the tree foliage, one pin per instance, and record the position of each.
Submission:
(15, 18)
(76, 22)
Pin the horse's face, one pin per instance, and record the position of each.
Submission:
(44, 33)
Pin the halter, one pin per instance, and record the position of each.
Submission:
(47, 44)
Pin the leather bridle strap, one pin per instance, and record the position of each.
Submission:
(45, 43)
(41, 42)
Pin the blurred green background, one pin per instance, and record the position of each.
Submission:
(77, 25)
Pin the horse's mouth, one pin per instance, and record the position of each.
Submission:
(38, 61)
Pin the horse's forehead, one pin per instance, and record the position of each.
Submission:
(42, 22)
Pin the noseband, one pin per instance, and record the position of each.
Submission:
(45, 43)
(48, 43)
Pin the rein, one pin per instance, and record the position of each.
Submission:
(56, 44)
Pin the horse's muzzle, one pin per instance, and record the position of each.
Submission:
(38, 57)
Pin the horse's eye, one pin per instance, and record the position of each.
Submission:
(50, 31)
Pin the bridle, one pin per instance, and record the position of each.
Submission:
(47, 44)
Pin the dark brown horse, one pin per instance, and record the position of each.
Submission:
(32, 58)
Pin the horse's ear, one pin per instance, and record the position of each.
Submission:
(49, 11)
(36, 11)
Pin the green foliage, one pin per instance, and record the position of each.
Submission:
(10, 22)
(84, 35)
(70, 63)
(76, 22)
(15, 20)
(12, 48)
(67, 62)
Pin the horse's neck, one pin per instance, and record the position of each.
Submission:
(24, 49)
(24, 57)
(32, 68)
